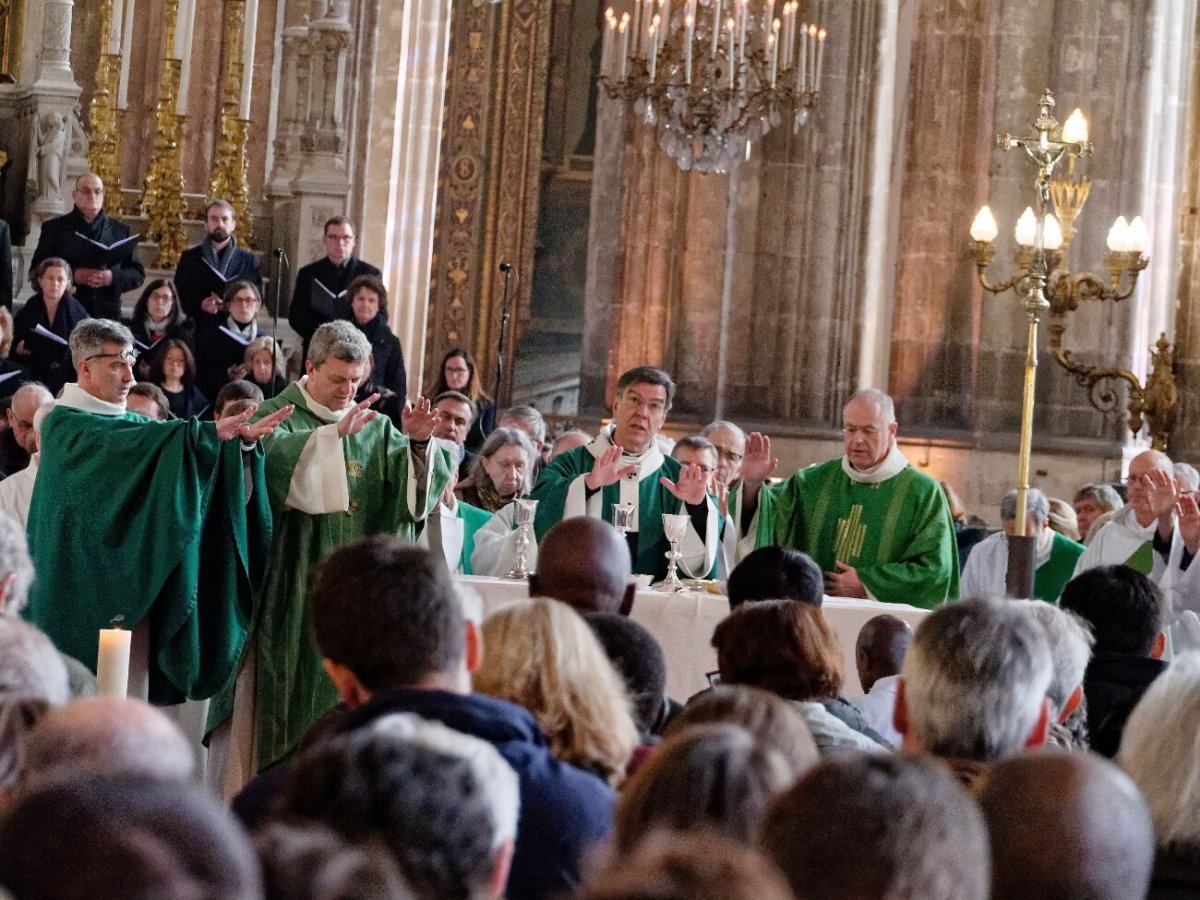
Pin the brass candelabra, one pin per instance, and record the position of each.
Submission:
(229, 178)
(162, 187)
(104, 150)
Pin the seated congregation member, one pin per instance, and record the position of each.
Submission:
(879, 653)
(240, 391)
(583, 563)
(1094, 505)
(640, 662)
(530, 421)
(776, 573)
(1125, 611)
(311, 862)
(457, 373)
(455, 414)
(892, 827)
(789, 648)
(710, 778)
(43, 325)
(1056, 556)
(18, 442)
(145, 399)
(394, 638)
(11, 374)
(1158, 750)
(158, 317)
(501, 472)
(541, 655)
(368, 310)
(30, 666)
(1063, 520)
(206, 270)
(624, 465)
(18, 716)
(221, 341)
(174, 372)
(1070, 640)
(145, 837)
(1065, 825)
(974, 685)
(1187, 479)
(568, 440)
(262, 365)
(876, 526)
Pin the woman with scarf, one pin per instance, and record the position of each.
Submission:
(158, 317)
(221, 344)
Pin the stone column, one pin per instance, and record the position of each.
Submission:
(293, 106)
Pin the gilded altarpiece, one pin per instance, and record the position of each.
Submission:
(489, 178)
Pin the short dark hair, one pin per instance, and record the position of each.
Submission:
(693, 442)
(780, 646)
(236, 287)
(457, 397)
(388, 612)
(425, 806)
(160, 358)
(237, 390)
(369, 282)
(647, 375)
(336, 220)
(892, 826)
(141, 310)
(776, 573)
(1123, 606)
(639, 660)
(155, 394)
(52, 262)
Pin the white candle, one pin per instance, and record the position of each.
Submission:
(820, 54)
(653, 48)
(126, 50)
(812, 57)
(112, 663)
(771, 48)
(664, 14)
(114, 28)
(789, 39)
(183, 51)
(623, 28)
(802, 69)
(606, 47)
(716, 35)
(689, 25)
(732, 26)
(248, 36)
(743, 14)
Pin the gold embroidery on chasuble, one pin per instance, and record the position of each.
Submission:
(353, 468)
(851, 531)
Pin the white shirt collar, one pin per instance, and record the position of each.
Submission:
(891, 465)
(75, 397)
(324, 413)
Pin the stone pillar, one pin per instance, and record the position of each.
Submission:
(293, 106)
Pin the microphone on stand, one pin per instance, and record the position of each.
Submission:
(506, 268)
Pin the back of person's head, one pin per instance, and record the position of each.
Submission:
(583, 562)
(639, 660)
(108, 734)
(771, 720)
(1063, 518)
(1070, 640)
(30, 666)
(114, 837)
(234, 391)
(1065, 825)
(159, 404)
(670, 865)
(16, 566)
(1037, 506)
(776, 573)
(18, 716)
(540, 654)
(528, 419)
(387, 612)
(1186, 477)
(311, 862)
(1160, 749)
(426, 806)
(880, 648)
(891, 827)
(975, 682)
(706, 778)
(1123, 607)
(781, 646)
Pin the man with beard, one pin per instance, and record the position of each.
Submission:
(206, 268)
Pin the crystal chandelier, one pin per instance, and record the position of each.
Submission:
(713, 75)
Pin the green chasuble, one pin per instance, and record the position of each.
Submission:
(897, 533)
(149, 520)
(473, 519)
(1053, 575)
(292, 687)
(456, 547)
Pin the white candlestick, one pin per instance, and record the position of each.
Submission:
(716, 35)
(772, 45)
(248, 42)
(689, 25)
(820, 54)
(624, 29)
(606, 48)
(183, 51)
(802, 69)
(126, 50)
(732, 26)
(112, 663)
(114, 29)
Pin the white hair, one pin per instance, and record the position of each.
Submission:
(1160, 749)
(1071, 643)
(14, 561)
(30, 666)
(975, 678)
(883, 403)
(1188, 474)
(495, 776)
(1036, 505)
(718, 425)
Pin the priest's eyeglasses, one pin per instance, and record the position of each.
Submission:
(129, 356)
(851, 430)
(729, 455)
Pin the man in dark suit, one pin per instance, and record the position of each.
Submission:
(324, 281)
(79, 236)
(6, 279)
(205, 268)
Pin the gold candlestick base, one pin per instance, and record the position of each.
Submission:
(104, 152)
(162, 188)
(230, 179)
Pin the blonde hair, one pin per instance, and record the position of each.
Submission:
(6, 326)
(541, 654)
(267, 343)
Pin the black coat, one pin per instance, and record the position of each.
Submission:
(57, 240)
(195, 280)
(215, 353)
(150, 349)
(47, 360)
(1112, 685)
(6, 279)
(387, 367)
(301, 315)
(187, 403)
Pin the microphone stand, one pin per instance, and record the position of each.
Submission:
(507, 269)
(281, 265)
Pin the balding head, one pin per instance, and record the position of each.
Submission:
(1066, 825)
(569, 440)
(108, 735)
(584, 563)
(25, 403)
(879, 652)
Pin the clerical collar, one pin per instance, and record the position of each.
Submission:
(648, 461)
(891, 465)
(1127, 518)
(324, 413)
(75, 397)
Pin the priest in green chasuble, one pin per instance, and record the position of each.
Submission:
(335, 472)
(875, 525)
(987, 566)
(148, 521)
(624, 465)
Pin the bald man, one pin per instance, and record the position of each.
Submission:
(584, 563)
(18, 443)
(879, 655)
(1066, 825)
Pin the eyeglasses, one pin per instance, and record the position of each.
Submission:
(851, 430)
(129, 356)
(728, 455)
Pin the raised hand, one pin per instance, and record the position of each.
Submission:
(1161, 492)
(692, 486)
(608, 469)
(720, 490)
(844, 582)
(758, 463)
(418, 419)
(1189, 522)
(357, 417)
(239, 426)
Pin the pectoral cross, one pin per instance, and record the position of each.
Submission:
(850, 535)
(353, 468)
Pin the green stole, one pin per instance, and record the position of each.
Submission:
(1142, 559)
(473, 518)
(1053, 575)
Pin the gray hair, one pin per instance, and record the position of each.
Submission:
(531, 417)
(1036, 505)
(718, 425)
(1071, 641)
(14, 561)
(30, 666)
(975, 678)
(89, 337)
(882, 400)
(339, 340)
(1188, 474)
(693, 442)
(646, 375)
(1160, 749)
(1103, 495)
(497, 440)
(495, 776)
